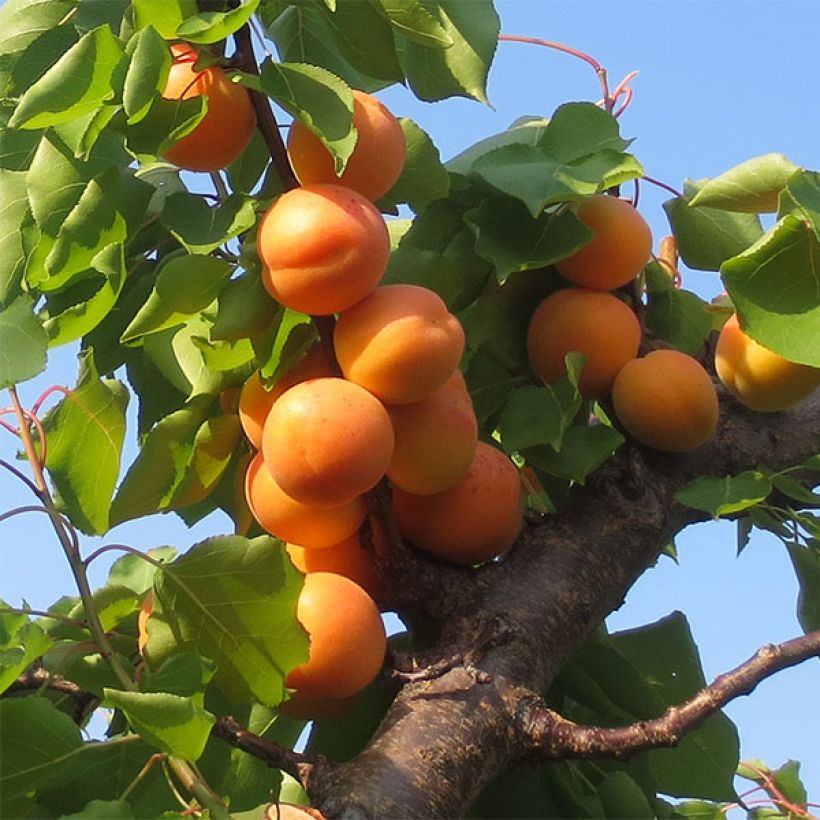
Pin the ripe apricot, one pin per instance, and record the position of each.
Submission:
(327, 441)
(291, 520)
(666, 400)
(347, 638)
(324, 248)
(401, 343)
(620, 246)
(593, 322)
(474, 520)
(255, 401)
(435, 439)
(348, 558)
(758, 377)
(376, 162)
(227, 127)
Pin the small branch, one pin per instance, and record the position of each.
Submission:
(272, 754)
(39, 678)
(659, 184)
(554, 737)
(18, 474)
(268, 127)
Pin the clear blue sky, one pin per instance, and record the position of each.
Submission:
(719, 82)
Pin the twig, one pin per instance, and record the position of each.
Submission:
(553, 737)
(18, 474)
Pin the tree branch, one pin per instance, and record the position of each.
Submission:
(39, 678)
(553, 737)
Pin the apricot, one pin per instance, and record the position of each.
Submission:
(593, 322)
(348, 558)
(620, 246)
(324, 248)
(758, 377)
(227, 127)
(327, 441)
(347, 638)
(435, 439)
(666, 400)
(376, 162)
(472, 521)
(401, 343)
(291, 520)
(255, 401)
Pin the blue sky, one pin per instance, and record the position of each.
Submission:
(719, 82)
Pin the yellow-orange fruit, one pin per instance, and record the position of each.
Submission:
(401, 343)
(327, 441)
(146, 608)
(666, 400)
(474, 520)
(376, 162)
(348, 558)
(435, 440)
(291, 520)
(593, 322)
(324, 248)
(227, 127)
(620, 247)
(758, 377)
(347, 638)
(255, 402)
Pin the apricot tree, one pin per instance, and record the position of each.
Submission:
(481, 403)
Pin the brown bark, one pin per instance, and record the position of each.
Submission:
(517, 621)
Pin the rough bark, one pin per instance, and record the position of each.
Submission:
(445, 738)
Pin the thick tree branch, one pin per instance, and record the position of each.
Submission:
(553, 737)
(446, 737)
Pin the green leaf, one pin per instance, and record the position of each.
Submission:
(244, 309)
(536, 415)
(185, 675)
(174, 724)
(423, 179)
(201, 228)
(21, 643)
(775, 286)
(724, 496)
(146, 74)
(27, 757)
(319, 100)
(165, 17)
(794, 489)
(166, 122)
(185, 285)
(579, 129)
(788, 783)
(429, 269)
(135, 573)
(234, 601)
(22, 22)
(411, 18)
(13, 208)
(23, 343)
(78, 83)
(700, 810)
(85, 438)
(16, 147)
(623, 798)
(512, 240)
(707, 237)
(804, 189)
(460, 70)
(674, 315)
(113, 604)
(704, 763)
(102, 810)
(289, 336)
(213, 26)
(527, 131)
(806, 564)
(582, 450)
(751, 187)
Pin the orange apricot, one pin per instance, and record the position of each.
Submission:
(324, 248)
(435, 439)
(376, 162)
(472, 521)
(347, 638)
(291, 520)
(666, 400)
(227, 127)
(327, 441)
(401, 343)
(348, 558)
(255, 401)
(593, 322)
(759, 377)
(620, 246)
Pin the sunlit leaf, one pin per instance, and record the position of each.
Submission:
(723, 496)
(23, 343)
